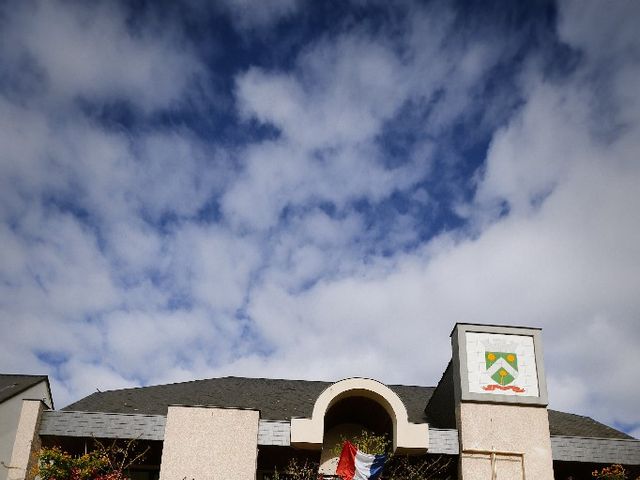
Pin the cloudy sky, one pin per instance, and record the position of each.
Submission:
(317, 190)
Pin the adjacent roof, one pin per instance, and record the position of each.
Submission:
(284, 399)
(12, 385)
(571, 425)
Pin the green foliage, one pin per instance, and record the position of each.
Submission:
(298, 471)
(55, 464)
(405, 467)
(102, 463)
(613, 472)
(397, 467)
(366, 442)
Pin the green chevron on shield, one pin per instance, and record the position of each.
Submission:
(502, 367)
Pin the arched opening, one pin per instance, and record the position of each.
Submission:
(346, 419)
(406, 437)
(363, 411)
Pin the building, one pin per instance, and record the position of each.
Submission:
(487, 416)
(13, 390)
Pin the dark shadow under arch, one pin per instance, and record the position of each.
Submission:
(361, 411)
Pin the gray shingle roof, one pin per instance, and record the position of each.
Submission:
(571, 425)
(284, 399)
(11, 385)
(276, 399)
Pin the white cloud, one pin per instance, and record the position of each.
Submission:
(81, 378)
(81, 50)
(600, 35)
(342, 92)
(564, 258)
(215, 266)
(559, 268)
(111, 276)
(332, 106)
(280, 174)
(146, 343)
(55, 274)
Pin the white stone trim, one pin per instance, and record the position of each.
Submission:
(309, 432)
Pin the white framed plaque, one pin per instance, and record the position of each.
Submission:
(498, 364)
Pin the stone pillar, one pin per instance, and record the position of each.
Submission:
(27, 442)
(207, 443)
(501, 399)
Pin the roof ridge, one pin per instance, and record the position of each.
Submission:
(405, 385)
(574, 415)
(328, 382)
(215, 378)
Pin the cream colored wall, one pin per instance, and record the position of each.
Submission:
(202, 443)
(27, 441)
(9, 417)
(506, 428)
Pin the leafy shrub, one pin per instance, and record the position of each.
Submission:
(397, 467)
(102, 463)
(612, 472)
(298, 471)
(366, 442)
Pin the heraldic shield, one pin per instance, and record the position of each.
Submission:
(502, 367)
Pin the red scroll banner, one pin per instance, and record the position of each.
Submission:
(491, 388)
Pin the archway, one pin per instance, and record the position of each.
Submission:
(346, 419)
(309, 432)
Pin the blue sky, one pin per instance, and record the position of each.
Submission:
(319, 190)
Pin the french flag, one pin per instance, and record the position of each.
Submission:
(357, 465)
